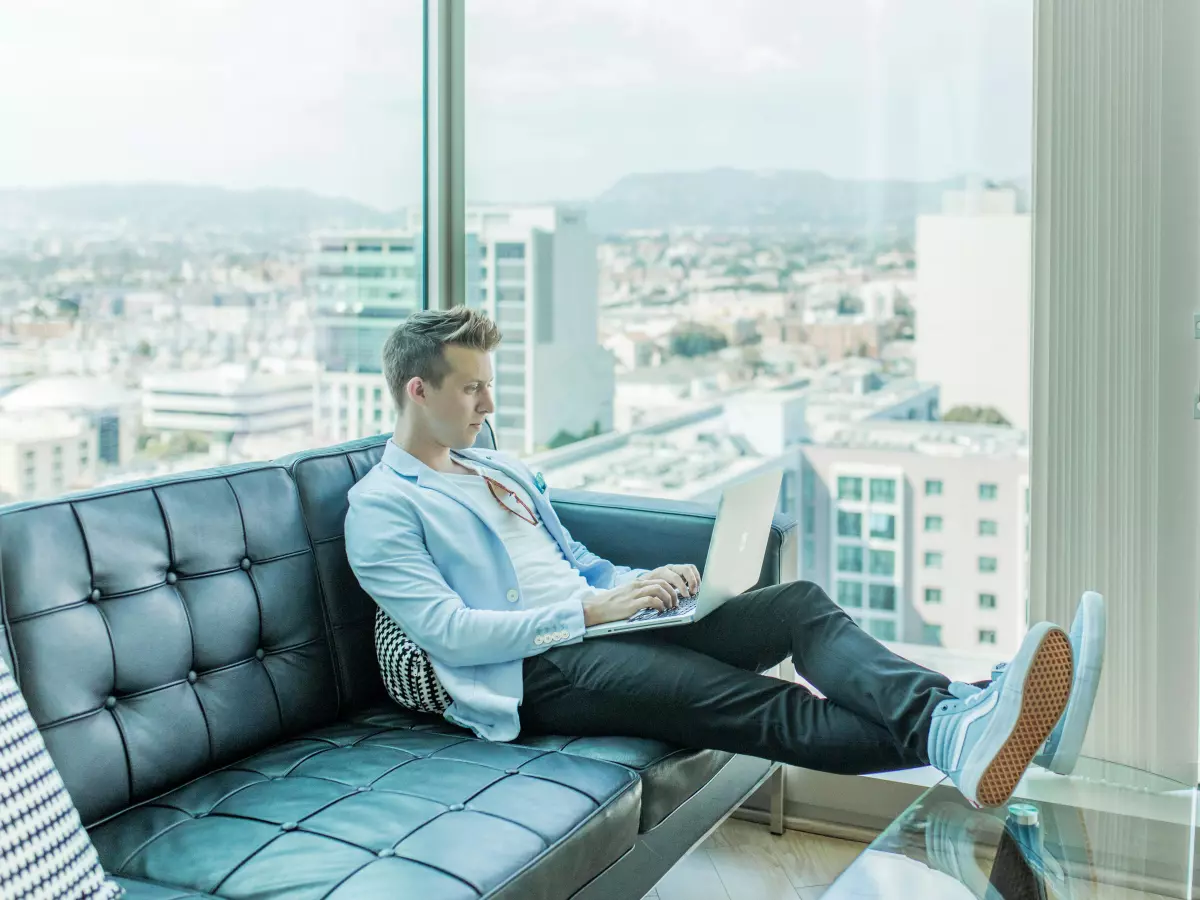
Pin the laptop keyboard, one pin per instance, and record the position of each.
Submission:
(686, 605)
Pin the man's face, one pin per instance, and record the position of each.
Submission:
(455, 412)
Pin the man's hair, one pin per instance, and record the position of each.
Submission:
(414, 348)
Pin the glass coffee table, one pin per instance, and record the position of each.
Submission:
(1106, 833)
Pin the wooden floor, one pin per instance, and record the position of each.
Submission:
(744, 861)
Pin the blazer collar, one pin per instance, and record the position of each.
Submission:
(403, 462)
(397, 458)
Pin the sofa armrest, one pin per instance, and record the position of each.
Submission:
(647, 532)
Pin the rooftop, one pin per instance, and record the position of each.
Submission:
(226, 381)
(696, 452)
(32, 427)
(934, 438)
(67, 392)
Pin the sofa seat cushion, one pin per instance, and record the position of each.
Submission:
(364, 810)
(669, 774)
(136, 889)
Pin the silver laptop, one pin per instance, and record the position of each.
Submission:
(735, 556)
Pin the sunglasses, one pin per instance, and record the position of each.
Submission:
(494, 486)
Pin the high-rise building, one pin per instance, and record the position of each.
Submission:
(973, 296)
(361, 284)
(921, 531)
(532, 270)
(538, 280)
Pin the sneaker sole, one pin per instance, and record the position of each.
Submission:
(1087, 672)
(1044, 695)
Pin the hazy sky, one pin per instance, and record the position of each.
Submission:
(563, 96)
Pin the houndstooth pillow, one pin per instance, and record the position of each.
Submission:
(407, 672)
(44, 852)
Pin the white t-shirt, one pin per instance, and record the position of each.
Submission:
(543, 572)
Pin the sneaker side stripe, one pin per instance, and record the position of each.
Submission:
(960, 738)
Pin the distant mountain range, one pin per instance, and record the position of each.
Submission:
(779, 199)
(176, 208)
(719, 198)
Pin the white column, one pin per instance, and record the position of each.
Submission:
(1116, 283)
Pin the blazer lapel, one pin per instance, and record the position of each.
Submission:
(545, 510)
(408, 465)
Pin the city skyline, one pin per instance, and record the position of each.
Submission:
(560, 100)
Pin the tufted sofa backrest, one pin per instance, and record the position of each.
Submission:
(161, 629)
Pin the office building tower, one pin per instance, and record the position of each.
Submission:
(538, 281)
(532, 270)
(973, 302)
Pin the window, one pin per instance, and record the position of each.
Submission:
(933, 595)
(850, 559)
(882, 629)
(987, 564)
(987, 636)
(850, 593)
(931, 634)
(883, 562)
(988, 491)
(693, 229)
(849, 524)
(933, 523)
(510, 251)
(988, 528)
(883, 490)
(191, 162)
(882, 596)
(883, 526)
(849, 488)
(987, 601)
(933, 559)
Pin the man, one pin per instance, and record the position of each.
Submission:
(463, 550)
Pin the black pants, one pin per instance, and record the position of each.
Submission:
(698, 686)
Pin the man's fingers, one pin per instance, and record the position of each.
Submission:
(663, 590)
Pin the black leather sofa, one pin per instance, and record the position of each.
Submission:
(200, 661)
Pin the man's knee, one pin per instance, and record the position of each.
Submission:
(805, 591)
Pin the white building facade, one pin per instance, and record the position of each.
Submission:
(973, 307)
(532, 270)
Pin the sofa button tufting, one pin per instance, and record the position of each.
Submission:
(288, 826)
(191, 676)
(246, 563)
(172, 578)
(110, 702)
(95, 595)
(259, 653)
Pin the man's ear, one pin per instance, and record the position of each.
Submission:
(414, 388)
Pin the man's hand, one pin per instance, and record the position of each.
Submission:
(683, 577)
(655, 590)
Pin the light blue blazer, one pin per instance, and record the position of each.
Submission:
(424, 551)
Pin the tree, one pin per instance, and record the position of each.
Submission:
(980, 415)
(849, 305)
(697, 340)
(564, 437)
